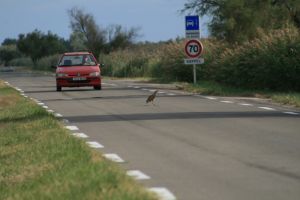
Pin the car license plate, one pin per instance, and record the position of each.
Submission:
(79, 78)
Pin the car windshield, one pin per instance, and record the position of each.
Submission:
(77, 60)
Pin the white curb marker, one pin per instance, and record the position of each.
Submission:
(138, 175)
(267, 108)
(95, 145)
(72, 128)
(226, 101)
(80, 135)
(291, 113)
(113, 157)
(40, 103)
(46, 107)
(163, 193)
(245, 104)
(50, 111)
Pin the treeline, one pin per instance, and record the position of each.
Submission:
(40, 49)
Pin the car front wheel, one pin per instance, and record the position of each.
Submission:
(58, 88)
(97, 87)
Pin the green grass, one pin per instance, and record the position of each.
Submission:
(39, 159)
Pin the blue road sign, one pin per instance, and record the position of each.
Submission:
(191, 23)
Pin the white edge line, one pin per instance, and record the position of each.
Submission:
(245, 104)
(72, 128)
(58, 115)
(266, 108)
(226, 101)
(138, 175)
(114, 157)
(95, 145)
(162, 193)
(291, 113)
(80, 135)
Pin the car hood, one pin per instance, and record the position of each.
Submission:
(74, 70)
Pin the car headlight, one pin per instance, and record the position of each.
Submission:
(95, 74)
(61, 75)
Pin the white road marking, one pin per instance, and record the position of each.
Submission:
(245, 104)
(40, 103)
(226, 101)
(6, 82)
(72, 128)
(25, 96)
(170, 94)
(95, 145)
(163, 193)
(138, 175)
(161, 92)
(136, 87)
(80, 135)
(144, 89)
(130, 86)
(211, 98)
(50, 111)
(66, 121)
(152, 90)
(111, 84)
(267, 108)
(58, 115)
(46, 107)
(114, 157)
(291, 113)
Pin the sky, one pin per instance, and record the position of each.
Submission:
(159, 20)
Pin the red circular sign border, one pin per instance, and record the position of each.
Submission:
(200, 45)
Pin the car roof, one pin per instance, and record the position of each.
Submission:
(77, 53)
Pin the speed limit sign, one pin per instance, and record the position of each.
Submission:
(193, 48)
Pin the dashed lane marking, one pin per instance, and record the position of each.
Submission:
(138, 175)
(72, 128)
(80, 135)
(136, 87)
(58, 115)
(162, 193)
(245, 104)
(95, 145)
(170, 94)
(114, 157)
(211, 98)
(110, 84)
(291, 113)
(266, 108)
(226, 101)
(161, 92)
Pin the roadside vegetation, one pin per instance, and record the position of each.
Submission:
(254, 46)
(39, 159)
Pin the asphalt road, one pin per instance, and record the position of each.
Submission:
(198, 147)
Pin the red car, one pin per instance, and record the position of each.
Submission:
(77, 69)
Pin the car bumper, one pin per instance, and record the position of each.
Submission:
(70, 82)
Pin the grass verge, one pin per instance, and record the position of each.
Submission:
(39, 159)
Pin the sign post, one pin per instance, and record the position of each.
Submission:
(193, 47)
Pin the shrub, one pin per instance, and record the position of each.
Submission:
(45, 63)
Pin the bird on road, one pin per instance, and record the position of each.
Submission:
(152, 97)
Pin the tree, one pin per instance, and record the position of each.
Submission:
(37, 44)
(9, 41)
(239, 20)
(84, 26)
(120, 38)
(88, 35)
(8, 52)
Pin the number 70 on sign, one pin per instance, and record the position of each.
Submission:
(193, 48)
